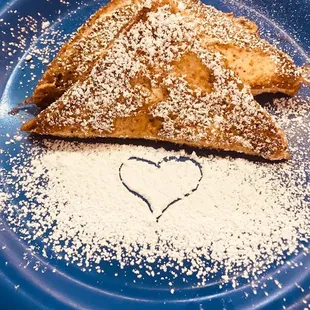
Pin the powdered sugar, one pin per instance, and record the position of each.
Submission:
(139, 76)
(165, 184)
(78, 57)
(102, 206)
(243, 217)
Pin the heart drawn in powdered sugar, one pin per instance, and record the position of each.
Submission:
(162, 184)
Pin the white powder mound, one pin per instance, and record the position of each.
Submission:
(3, 198)
(160, 184)
(88, 203)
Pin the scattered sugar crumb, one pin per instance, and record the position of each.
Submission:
(28, 57)
(45, 25)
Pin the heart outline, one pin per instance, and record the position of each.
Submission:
(158, 165)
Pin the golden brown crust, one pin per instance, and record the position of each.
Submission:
(247, 25)
(140, 127)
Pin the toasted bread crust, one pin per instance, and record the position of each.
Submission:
(65, 69)
(140, 127)
(127, 129)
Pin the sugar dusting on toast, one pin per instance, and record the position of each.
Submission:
(140, 74)
(229, 35)
(100, 35)
(220, 27)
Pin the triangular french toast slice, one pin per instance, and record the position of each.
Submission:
(259, 64)
(161, 80)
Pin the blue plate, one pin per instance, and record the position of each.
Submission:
(284, 22)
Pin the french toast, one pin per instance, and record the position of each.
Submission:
(259, 64)
(162, 80)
